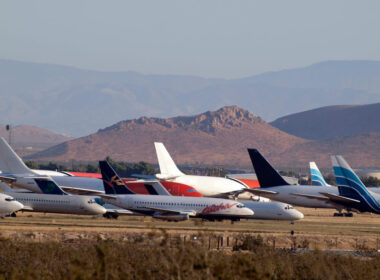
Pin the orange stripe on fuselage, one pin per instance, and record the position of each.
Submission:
(250, 183)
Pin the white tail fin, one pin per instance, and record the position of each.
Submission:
(10, 162)
(168, 169)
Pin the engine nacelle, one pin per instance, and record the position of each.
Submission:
(171, 217)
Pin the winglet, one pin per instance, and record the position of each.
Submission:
(10, 162)
(111, 181)
(266, 174)
(316, 175)
(168, 169)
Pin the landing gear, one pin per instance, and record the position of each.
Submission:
(109, 215)
(13, 215)
(340, 214)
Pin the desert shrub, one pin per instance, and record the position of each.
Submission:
(127, 260)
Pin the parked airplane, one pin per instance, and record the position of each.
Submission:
(206, 185)
(167, 207)
(54, 200)
(316, 176)
(9, 205)
(273, 186)
(349, 185)
(15, 173)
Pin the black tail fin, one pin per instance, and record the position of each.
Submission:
(111, 181)
(266, 174)
(48, 186)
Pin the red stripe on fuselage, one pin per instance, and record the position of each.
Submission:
(176, 189)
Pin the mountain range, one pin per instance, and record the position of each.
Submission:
(220, 138)
(77, 102)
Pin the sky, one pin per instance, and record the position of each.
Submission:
(216, 38)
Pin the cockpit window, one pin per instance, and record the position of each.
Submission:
(91, 201)
(240, 206)
(10, 199)
(288, 207)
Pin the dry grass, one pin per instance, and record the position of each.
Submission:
(319, 228)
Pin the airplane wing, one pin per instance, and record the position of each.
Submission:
(338, 198)
(81, 191)
(121, 212)
(27, 208)
(7, 180)
(168, 211)
(258, 191)
(311, 196)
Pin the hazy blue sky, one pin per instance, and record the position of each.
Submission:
(206, 38)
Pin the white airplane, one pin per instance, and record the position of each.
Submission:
(9, 205)
(54, 200)
(316, 176)
(273, 186)
(206, 185)
(167, 207)
(272, 210)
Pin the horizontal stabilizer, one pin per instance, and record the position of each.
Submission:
(7, 180)
(339, 198)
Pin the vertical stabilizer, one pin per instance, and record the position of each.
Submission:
(266, 174)
(168, 168)
(316, 176)
(10, 162)
(49, 186)
(111, 181)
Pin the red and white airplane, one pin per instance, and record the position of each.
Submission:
(206, 185)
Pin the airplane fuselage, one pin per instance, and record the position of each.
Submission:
(196, 207)
(296, 195)
(272, 210)
(64, 204)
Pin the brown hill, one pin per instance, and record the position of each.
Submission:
(361, 151)
(213, 138)
(32, 136)
(332, 121)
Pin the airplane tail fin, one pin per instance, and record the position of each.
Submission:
(49, 186)
(10, 162)
(168, 169)
(316, 175)
(111, 181)
(346, 179)
(266, 174)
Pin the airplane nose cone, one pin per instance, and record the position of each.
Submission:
(248, 212)
(16, 206)
(99, 209)
(298, 215)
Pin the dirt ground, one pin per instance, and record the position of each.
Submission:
(319, 229)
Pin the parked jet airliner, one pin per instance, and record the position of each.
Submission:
(167, 207)
(273, 186)
(206, 185)
(54, 200)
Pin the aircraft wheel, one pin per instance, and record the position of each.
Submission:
(13, 215)
(348, 214)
